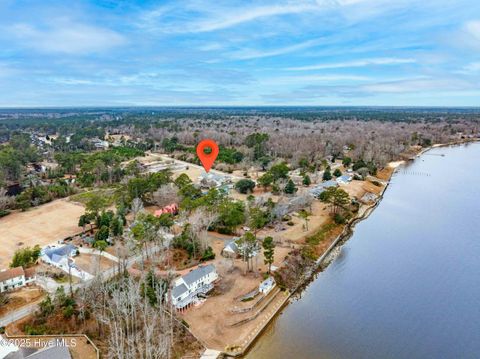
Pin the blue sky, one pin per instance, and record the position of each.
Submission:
(196, 52)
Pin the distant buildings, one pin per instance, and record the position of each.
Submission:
(100, 144)
(188, 288)
(211, 180)
(16, 278)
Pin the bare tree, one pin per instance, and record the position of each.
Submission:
(5, 201)
(137, 207)
(165, 195)
(200, 220)
(136, 325)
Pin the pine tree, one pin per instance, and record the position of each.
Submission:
(290, 187)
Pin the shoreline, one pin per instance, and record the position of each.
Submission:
(327, 258)
(320, 265)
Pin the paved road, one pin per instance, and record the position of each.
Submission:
(167, 158)
(18, 314)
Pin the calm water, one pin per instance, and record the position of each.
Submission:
(407, 284)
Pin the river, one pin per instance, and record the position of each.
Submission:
(407, 284)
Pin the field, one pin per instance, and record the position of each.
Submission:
(41, 225)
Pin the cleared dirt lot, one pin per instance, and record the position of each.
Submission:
(93, 263)
(21, 297)
(41, 225)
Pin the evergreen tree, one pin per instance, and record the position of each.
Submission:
(290, 188)
(268, 252)
(306, 180)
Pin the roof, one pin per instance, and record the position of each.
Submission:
(330, 183)
(267, 283)
(11, 273)
(54, 352)
(7, 349)
(30, 272)
(179, 290)
(345, 178)
(231, 247)
(56, 253)
(198, 273)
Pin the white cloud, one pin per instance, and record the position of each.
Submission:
(247, 54)
(473, 28)
(7, 71)
(66, 37)
(419, 85)
(356, 63)
(240, 16)
(218, 17)
(308, 80)
(472, 67)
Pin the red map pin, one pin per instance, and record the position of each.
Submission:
(207, 159)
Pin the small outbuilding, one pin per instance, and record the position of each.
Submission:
(267, 285)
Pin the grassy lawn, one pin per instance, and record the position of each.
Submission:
(321, 234)
(84, 197)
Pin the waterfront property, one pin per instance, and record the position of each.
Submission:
(267, 285)
(419, 250)
(16, 278)
(188, 288)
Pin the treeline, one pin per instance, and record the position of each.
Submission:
(14, 156)
(99, 167)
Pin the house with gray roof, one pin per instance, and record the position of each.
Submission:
(62, 258)
(213, 180)
(231, 249)
(188, 288)
(344, 179)
(10, 351)
(318, 189)
(58, 256)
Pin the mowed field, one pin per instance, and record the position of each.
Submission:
(41, 225)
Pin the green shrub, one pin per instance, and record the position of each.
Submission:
(339, 219)
(207, 255)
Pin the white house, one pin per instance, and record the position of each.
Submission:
(267, 285)
(59, 256)
(187, 288)
(16, 278)
(62, 258)
(12, 279)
